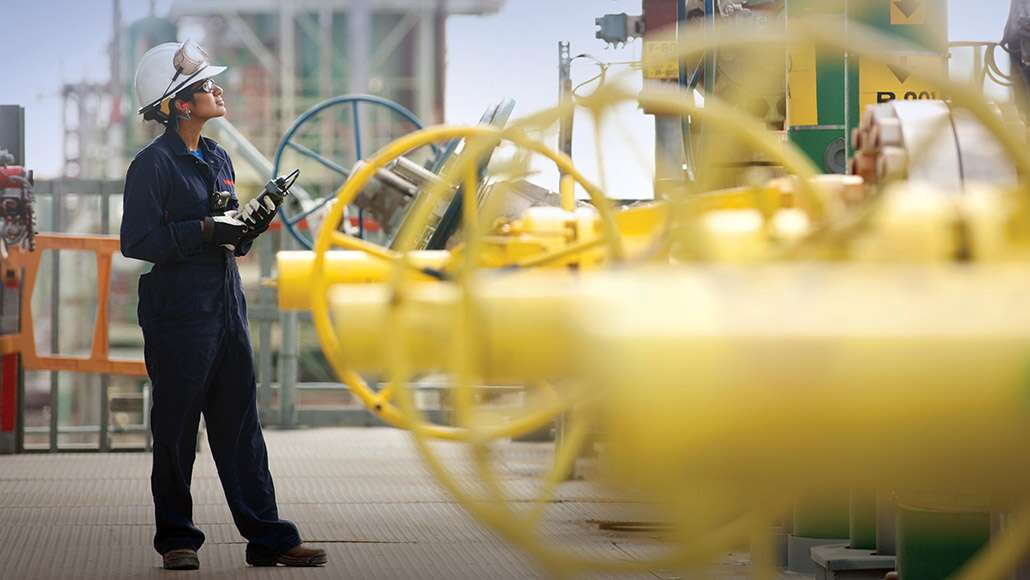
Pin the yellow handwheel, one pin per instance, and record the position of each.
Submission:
(479, 140)
(492, 505)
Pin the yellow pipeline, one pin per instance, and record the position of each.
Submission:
(539, 239)
(918, 376)
(342, 267)
(813, 377)
(524, 335)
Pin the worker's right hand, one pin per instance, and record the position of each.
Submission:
(258, 213)
(223, 230)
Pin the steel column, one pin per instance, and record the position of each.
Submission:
(565, 97)
(104, 442)
(425, 69)
(55, 317)
(287, 63)
(359, 21)
(288, 353)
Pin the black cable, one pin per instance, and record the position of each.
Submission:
(289, 180)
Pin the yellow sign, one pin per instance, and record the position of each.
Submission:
(882, 83)
(905, 12)
(661, 61)
(802, 92)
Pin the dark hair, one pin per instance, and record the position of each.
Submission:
(154, 114)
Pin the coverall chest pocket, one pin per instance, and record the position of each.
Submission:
(187, 200)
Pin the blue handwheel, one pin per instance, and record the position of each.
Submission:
(314, 125)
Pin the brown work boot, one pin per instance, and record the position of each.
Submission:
(184, 559)
(298, 556)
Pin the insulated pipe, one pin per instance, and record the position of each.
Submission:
(815, 378)
(342, 267)
(916, 374)
(525, 334)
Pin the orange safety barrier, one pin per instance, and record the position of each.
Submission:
(99, 360)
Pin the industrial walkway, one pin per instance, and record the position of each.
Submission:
(361, 494)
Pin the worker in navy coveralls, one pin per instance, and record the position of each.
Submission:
(178, 214)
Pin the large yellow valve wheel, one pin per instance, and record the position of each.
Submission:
(479, 140)
(487, 499)
(482, 140)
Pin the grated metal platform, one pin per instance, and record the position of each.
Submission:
(361, 494)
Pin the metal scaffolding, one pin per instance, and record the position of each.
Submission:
(287, 56)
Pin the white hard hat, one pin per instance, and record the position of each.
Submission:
(164, 70)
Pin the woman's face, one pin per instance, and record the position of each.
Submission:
(207, 101)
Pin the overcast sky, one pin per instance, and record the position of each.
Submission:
(511, 54)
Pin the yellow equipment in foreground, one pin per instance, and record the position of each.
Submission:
(772, 366)
(723, 346)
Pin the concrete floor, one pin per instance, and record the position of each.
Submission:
(362, 494)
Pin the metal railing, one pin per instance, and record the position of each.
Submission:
(283, 401)
(99, 360)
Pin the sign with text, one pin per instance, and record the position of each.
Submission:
(882, 83)
(661, 62)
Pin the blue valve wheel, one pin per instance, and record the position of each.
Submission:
(307, 132)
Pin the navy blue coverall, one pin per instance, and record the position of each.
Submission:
(197, 346)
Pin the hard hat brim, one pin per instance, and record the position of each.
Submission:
(207, 72)
(202, 75)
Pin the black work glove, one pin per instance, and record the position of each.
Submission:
(259, 212)
(253, 233)
(223, 230)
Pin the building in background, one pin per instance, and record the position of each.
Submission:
(283, 58)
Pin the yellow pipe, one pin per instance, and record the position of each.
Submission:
(341, 267)
(637, 226)
(572, 250)
(802, 377)
(346, 242)
(525, 335)
(782, 369)
(567, 189)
